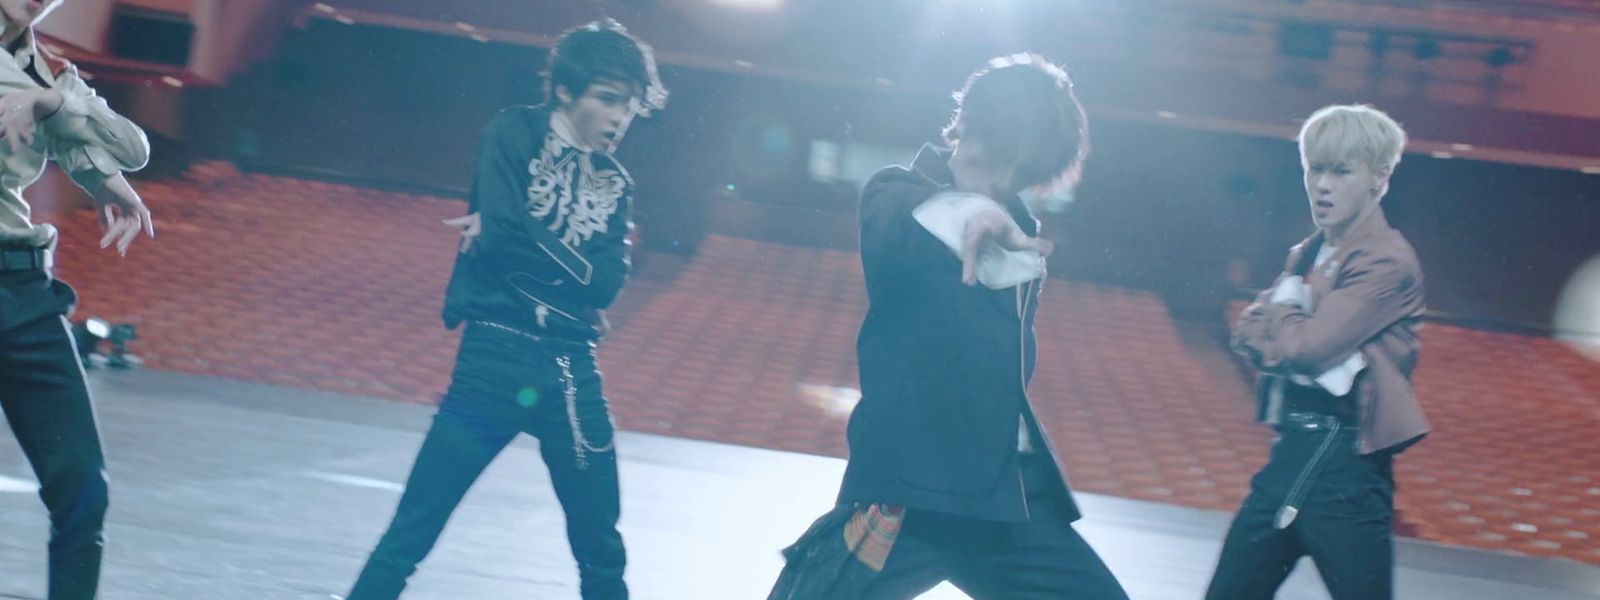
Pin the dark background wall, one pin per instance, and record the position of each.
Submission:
(1191, 214)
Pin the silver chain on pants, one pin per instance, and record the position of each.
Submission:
(580, 444)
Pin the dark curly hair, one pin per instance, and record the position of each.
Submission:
(1022, 109)
(605, 51)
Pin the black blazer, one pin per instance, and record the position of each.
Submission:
(944, 367)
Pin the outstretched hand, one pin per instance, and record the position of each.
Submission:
(990, 229)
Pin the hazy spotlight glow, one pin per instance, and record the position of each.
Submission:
(750, 4)
(1577, 319)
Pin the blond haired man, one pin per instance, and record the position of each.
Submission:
(1335, 341)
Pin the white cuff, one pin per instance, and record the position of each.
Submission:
(946, 216)
(1339, 379)
(1292, 290)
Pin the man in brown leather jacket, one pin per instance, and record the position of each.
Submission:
(1335, 340)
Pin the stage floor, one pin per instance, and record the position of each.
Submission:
(231, 490)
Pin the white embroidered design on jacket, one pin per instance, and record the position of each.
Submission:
(569, 195)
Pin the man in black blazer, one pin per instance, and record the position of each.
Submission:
(950, 475)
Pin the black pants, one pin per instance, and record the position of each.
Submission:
(1042, 559)
(505, 384)
(1344, 522)
(46, 401)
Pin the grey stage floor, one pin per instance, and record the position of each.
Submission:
(229, 490)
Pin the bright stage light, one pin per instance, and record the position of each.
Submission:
(750, 4)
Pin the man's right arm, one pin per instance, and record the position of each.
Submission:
(509, 235)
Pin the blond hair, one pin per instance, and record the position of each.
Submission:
(1351, 133)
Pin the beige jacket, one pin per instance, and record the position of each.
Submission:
(86, 139)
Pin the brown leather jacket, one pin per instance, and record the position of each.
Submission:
(1368, 297)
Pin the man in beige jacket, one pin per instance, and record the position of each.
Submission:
(1335, 340)
(47, 112)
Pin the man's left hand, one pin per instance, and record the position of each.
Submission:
(471, 225)
(122, 214)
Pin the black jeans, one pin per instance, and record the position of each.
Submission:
(1344, 523)
(505, 384)
(46, 401)
(1041, 559)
